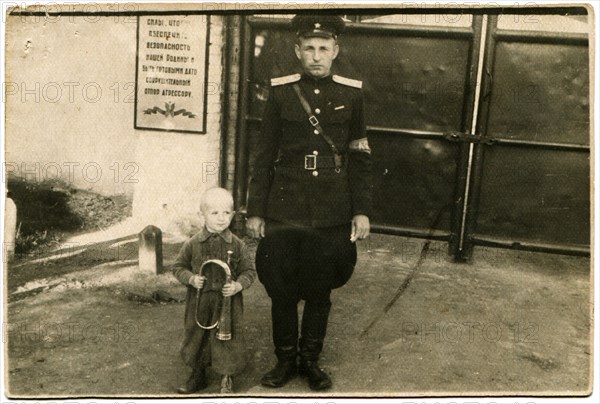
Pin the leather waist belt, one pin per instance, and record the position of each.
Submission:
(308, 162)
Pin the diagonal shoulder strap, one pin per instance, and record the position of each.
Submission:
(315, 123)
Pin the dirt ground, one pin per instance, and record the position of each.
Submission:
(410, 322)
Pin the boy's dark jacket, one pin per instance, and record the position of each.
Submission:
(200, 348)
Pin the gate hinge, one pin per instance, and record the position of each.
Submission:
(460, 137)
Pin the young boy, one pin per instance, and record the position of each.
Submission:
(200, 347)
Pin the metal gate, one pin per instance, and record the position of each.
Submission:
(532, 189)
(430, 124)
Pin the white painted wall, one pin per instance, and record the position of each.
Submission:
(70, 113)
(69, 104)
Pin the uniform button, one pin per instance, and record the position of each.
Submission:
(316, 132)
(317, 111)
(316, 153)
(317, 91)
(315, 173)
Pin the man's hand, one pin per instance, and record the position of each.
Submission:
(360, 228)
(197, 281)
(255, 226)
(231, 289)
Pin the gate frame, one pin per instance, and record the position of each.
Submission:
(495, 35)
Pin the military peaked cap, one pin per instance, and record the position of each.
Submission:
(324, 26)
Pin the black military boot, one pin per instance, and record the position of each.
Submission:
(309, 365)
(284, 316)
(285, 369)
(314, 328)
(196, 382)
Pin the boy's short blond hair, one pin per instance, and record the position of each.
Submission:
(215, 195)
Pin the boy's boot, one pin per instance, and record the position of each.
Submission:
(226, 384)
(314, 327)
(196, 382)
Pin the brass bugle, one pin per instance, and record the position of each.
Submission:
(224, 321)
(224, 332)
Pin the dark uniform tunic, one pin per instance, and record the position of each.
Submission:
(307, 202)
(322, 197)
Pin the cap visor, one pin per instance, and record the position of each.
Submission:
(316, 34)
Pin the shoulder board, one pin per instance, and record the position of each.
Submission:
(347, 82)
(277, 81)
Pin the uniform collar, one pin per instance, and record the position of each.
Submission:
(204, 235)
(323, 80)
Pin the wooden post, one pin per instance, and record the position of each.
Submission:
(10, 229)
(150, 250)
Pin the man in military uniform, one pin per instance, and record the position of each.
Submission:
(310, 197)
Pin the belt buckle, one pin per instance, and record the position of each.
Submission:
(313, 120)
(310, 162)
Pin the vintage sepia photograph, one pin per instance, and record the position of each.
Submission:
(298, 201)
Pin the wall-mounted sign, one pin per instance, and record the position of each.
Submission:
(171, 73)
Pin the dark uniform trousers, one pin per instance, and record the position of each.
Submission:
(303, 263)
